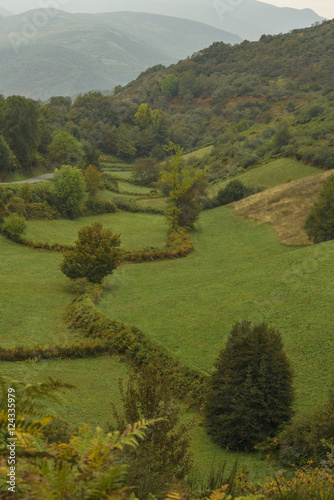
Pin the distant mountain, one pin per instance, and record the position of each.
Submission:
(65, 54)
(4, 12)
(247, 18)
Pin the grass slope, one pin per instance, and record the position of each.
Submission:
(285, 207)
(137, 230)
(237, 271)
(96, 386)
(270, 175)
(95, 381)
(33, 297)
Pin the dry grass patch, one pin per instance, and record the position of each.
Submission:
(285, 207)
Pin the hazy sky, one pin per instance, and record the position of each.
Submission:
(324, 8)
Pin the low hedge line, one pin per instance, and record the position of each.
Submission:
(105, 336)
(179, 244)
(134, 345)
(133, 208)
(81, 349)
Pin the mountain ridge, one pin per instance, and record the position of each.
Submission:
(117, 47)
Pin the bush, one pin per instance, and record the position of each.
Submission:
(97, 207)
(250, 394)
(319, 225)
(14, 226)
(16, 204)
(70, 189)
(40, 210)
(234, 191)
(303, 440)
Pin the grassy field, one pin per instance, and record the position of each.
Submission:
(198, 154)
(133, 188)
(96, 386)
(126, 174)
(270, 175)
(33, 297)
(155, 203)
(95, 381)
(137, 230)
(237, 271)
(285, 207)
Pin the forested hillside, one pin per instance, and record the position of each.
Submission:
(251, 101)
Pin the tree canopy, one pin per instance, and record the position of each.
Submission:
(95, 255)
(250, 393)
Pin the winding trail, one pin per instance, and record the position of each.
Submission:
(39, 178)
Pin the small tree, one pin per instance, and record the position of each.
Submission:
(164, 452)
(319, 225)
(145, 171)
(95, 255)
(70, 189)
(64, 148)
(185, 189)
(250, 394)
(94, 180)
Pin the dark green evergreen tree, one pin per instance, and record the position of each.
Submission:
(250, 394)
(319, 225)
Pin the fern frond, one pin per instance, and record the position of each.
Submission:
(173, 495)
(220, 494)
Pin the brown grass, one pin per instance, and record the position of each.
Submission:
(285, 207)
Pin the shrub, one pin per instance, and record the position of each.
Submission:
(234, 191)
(40, 210)
(97, 207)
(304, 439)
(319, 225)
(70, 189)
(250, 394)
(14, 226)
(16, 204)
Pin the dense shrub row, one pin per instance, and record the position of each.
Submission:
(82, 349)
(129, 341)
(133, 208)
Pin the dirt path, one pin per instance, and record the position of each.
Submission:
(39, 178)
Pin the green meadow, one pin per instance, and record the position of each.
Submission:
(33, 297)
(270, 175)
(237, 271)
(137, 230)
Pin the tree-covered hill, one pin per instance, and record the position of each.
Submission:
(65, 54)
(241, 96)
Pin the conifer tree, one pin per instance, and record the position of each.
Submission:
(250, 394)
